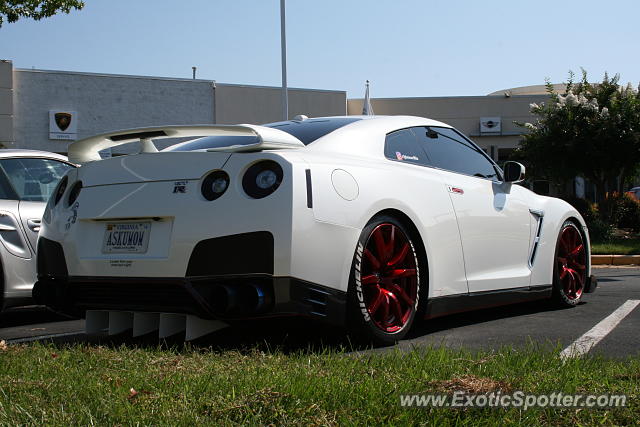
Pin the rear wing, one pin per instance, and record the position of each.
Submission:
(87, 150)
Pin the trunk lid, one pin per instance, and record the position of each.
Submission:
(162, 166)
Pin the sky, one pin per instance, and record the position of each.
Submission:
(406, 48)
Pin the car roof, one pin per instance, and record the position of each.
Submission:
(9, 152)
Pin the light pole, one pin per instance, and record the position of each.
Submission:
(283, 48)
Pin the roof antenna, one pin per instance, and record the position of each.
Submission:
(300, 118)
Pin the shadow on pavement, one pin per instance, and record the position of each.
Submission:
(289, 335)
(485, 315)
(21, 316)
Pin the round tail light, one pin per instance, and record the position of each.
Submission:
(215, 184)
(262, 179)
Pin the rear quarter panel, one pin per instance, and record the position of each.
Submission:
(383, 184)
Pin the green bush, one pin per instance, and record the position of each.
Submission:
(621, 211)
(600, 230)
(588, 210)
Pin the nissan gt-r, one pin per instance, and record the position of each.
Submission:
(366, 221)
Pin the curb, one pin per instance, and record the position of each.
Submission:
(615, 259)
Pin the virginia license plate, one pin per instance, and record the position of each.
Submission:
(126, 237)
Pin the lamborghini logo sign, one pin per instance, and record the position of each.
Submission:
(63, 125)
(63, 120)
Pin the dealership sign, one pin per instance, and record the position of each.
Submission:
(63, 125)
(490, 124)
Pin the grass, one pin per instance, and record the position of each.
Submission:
(127, 385)
(617, 246)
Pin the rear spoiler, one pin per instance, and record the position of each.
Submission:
(86, 150)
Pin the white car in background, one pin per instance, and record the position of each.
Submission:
(368, 222)
(27, 179)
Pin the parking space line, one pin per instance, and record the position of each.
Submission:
(592, 337)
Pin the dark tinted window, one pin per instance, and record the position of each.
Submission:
(449, 150)
(402, 145)
(309, 130)
(6, 190)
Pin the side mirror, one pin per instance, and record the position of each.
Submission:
(513, 172)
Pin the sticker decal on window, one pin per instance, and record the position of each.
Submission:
(401, 156)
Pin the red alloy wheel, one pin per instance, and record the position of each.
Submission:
(572, 261)
(389, 277)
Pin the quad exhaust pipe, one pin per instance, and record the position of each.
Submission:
(238, 300)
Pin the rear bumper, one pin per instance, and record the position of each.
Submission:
(226, 298)
(227, 278)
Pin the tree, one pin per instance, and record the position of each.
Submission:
(592, 130)
(12, 10)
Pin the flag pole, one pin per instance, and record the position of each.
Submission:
(283, 48)
(367, 109)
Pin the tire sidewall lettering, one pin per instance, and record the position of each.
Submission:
(358, 279)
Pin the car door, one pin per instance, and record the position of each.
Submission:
(32, 181)
(493, 219)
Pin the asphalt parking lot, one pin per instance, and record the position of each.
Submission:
(516, 325)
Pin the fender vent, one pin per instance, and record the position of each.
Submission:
(538, 215)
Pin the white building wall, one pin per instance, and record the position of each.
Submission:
(107, 102)
(103, 103)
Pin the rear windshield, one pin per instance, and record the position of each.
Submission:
(213, 142)
(309, 130)
(306, 131)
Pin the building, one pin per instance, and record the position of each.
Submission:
(35, 106)
(46, 110)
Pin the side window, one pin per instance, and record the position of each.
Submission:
(32, 179)
(402, 145)
(6, 190)
(449, 150)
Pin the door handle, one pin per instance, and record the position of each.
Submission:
(34, 225)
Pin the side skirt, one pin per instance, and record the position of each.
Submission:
(451, 304)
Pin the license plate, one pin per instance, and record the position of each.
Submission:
(126, 238)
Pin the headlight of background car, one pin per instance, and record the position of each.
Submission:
(55, 198)
(262, 179)
(214, 185)
(74, 193)
(59, 191)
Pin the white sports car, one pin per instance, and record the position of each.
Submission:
(367, 221)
